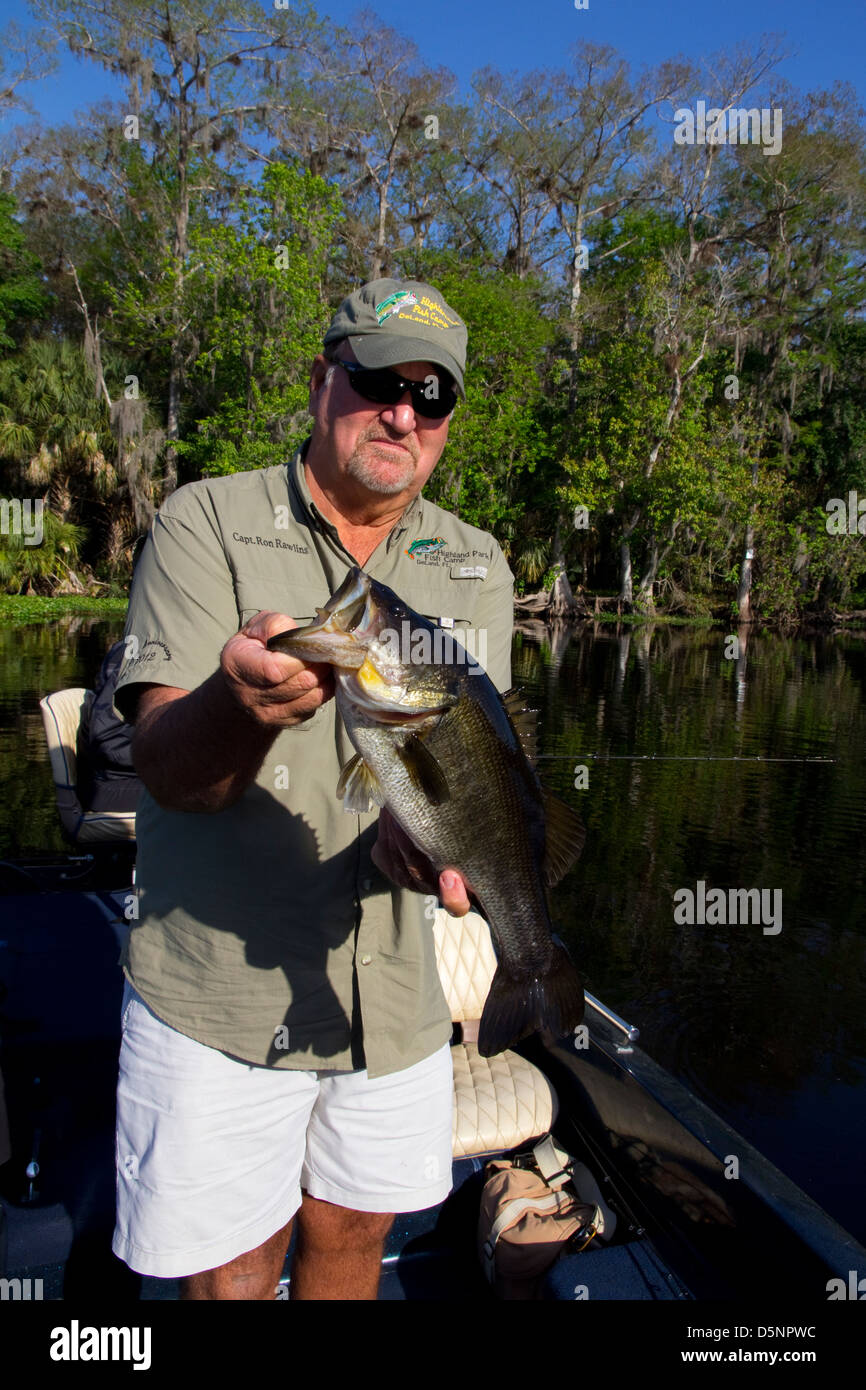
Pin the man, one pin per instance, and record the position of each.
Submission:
(285, 1034)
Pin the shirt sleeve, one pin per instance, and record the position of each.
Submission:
(495, 614)
(183, 606)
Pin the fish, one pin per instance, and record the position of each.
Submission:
(447, 755)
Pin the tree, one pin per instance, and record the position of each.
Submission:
(23, 296)
(259, 299)
(184, 64)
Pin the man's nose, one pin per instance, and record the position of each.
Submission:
(400, 416)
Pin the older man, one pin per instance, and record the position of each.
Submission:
(286, 1040)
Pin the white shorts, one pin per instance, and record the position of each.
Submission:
(212, 1153)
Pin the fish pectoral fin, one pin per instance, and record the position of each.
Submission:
(424, 771)
(359, 787)
(565, 834)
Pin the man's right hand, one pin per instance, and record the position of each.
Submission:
(199, 750)
(275, 689)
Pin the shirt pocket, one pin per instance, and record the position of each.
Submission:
(299, 601)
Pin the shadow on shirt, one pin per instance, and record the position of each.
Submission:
(292, 911)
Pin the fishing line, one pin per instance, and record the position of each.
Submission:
(674, 758)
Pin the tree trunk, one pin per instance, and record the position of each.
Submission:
(562, 603)
(626, 591)
(646, 588)
(744, 596)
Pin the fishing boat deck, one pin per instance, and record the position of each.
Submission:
(683, 1230)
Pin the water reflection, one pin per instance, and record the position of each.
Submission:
(677, 738)
(35, 660)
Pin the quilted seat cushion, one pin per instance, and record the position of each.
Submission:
(499, 1102)
(466, 960)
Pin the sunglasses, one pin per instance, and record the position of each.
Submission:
(384, 387)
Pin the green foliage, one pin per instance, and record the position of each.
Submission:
(42, 568)
(258, 291)
(23, 296)
(22, 609)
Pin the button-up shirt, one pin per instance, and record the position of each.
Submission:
(265, 930)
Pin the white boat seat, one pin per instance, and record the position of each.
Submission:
(62, 713)
(500, 1102)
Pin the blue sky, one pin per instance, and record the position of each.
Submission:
(827, 39)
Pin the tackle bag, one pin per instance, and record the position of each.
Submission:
(534, 1207)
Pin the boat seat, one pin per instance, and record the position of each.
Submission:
(62, 713)
(500, 1102)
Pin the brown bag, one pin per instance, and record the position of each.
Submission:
(532, 1209)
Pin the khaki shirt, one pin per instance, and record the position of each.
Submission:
(265, 930)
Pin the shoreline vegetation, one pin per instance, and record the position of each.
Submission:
(17, 610)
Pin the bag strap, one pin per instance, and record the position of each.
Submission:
(553, 1163)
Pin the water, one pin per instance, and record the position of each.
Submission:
(769, 1029)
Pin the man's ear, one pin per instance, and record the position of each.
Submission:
(317, 378)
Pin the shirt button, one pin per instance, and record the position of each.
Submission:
(365, 960)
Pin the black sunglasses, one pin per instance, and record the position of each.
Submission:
(384, 387)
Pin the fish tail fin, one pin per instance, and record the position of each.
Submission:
(519, 1004)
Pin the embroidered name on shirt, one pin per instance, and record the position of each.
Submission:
(272, 544)
(473, 572)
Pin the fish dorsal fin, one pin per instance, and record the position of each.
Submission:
(322, 614)
(565, 834)
(524, 721)
(359, 787)
(424, 771)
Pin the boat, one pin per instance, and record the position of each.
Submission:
(691, 1223)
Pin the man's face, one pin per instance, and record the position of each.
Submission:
(384, 449)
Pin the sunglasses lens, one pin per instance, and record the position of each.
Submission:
(384, 387)
(440, 405)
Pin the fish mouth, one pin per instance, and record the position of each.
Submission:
(346, 608)
(345, 634)
(341, 630)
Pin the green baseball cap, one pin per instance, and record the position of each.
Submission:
(391, 321)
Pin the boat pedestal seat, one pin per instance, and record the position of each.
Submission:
(62, 713)
(500, 1102)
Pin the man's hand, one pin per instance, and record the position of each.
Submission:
(199, 750)
(400, 860)
(275, 689)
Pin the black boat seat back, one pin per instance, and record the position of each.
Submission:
(62, 713)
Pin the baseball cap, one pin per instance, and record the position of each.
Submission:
(391, 321)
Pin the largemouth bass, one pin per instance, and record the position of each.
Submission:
(438, 746)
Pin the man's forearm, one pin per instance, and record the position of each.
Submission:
(200, 752)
